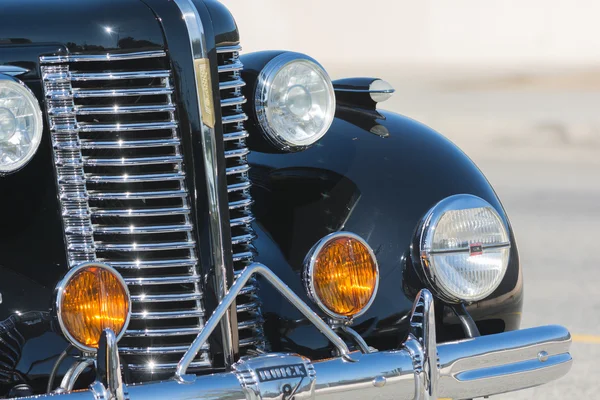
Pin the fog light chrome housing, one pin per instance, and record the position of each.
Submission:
(464, 248)
(341, 275)
(92, 297)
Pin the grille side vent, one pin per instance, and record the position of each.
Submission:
(250, 320)
(69, 165)
(124, 198)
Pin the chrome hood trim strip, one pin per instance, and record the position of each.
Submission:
(198, 46)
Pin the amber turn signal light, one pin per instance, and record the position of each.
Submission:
(92, 297)
(341, 275)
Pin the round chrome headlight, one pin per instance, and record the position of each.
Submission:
(295, 101)
(464, 248)
(20, 125)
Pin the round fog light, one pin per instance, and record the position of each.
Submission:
(92, 297)
(341, 275)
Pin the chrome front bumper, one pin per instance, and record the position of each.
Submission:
(420, 369)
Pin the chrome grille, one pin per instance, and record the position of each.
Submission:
(123, 193)
(250, 320)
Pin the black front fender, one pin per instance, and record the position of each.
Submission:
(374, 174)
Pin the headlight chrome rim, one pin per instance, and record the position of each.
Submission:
(309, 267)
(427, 229)
(20, 87)
(261, 98)
(60, 295)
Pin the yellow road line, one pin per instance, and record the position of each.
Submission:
(590, 339)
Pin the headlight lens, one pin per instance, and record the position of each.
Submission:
(464, 248)
(295, 101)
(20, 125)
(92, 297)
(341, 275)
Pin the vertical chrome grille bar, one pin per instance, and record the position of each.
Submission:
(68, 162)
(192, 252)
(250, 319)
(207, 116)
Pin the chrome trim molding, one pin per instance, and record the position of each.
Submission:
(308, 273)
(68, 58)
(426, 230)
(250, 318)
(60, 293)
(467, 250)
(12, 70)
(388, 91)
(470, 368)
(199, 54)
(229, 49)
(109, 213)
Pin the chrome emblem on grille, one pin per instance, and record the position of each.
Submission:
(205, 94)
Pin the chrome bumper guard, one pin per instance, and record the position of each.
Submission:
(420, 369)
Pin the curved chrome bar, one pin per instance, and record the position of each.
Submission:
(70, 378)
(360, 342)
(221, 310)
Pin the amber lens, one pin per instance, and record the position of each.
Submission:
(345, 276)
(92, 300)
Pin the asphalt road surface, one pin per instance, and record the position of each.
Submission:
(553, 202)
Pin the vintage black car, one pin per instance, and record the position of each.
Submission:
(179, 221)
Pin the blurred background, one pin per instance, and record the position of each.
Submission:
(515, 84)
